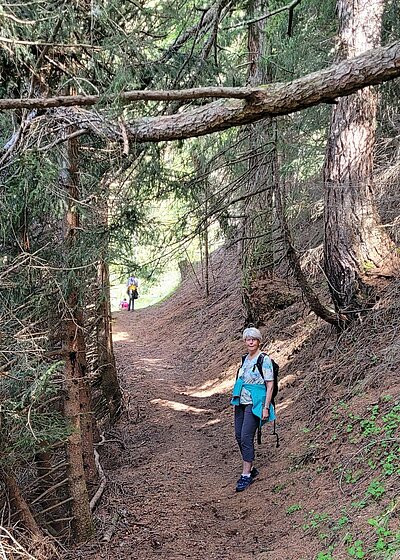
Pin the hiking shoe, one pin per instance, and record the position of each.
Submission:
(254, 472)
(243, 483)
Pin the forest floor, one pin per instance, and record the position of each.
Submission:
(172, 460)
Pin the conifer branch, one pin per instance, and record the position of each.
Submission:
(290, 7)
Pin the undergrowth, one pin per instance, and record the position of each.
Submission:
(367, 526)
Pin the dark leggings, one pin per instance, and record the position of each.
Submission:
(246, 424)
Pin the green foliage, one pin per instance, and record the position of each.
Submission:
(293, 509)
(373, 471)
(355, 548)
(387, 542)
(341, 522)
(28, 425)
(353, 476)
(278, 488)
(325, 555)
(315, 520)
(375, 489)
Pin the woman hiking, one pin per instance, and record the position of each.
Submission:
(252, 396)
(132, 291)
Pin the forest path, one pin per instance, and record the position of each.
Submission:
(176, 486)
(173, 485)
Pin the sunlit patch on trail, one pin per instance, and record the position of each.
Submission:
(121, 335)
(180, 406)
(152, 361)
(211, 422)
(211, 388)
(221, 384)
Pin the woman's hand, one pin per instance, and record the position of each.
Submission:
(265, 413)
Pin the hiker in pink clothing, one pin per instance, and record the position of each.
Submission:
(124, 304)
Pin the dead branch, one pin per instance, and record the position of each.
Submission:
(290, 7)
(14, 41)
(9, 545)
(49, 490)
(55, 506)
(200, 28)
(111, 529)
(127, 97)
(124, 137)
(19, 504)
(310, 295)
(103, 482)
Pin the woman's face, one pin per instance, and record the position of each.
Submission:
(252, 344)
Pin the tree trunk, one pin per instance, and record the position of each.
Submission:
(105, 354)
(82, 523)
(19, 505)
(88, 420)
(257, 244)
(80, 455)
(354, 244)
(206, 242)
(46, 489)
(294, 262)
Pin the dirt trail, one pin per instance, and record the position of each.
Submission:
(172, 485)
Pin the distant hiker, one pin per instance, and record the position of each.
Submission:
(252, 396)
(124, 304)
(132, 291)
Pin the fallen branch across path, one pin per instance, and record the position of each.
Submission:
(372, 67)
(241, 106)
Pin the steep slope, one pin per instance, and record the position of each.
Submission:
(172, 461)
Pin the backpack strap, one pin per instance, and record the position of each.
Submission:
(243, 359)
(259, 364)
(274, 433)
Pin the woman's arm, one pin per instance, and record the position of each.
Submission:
(270, 386)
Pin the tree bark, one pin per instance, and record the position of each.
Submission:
(86, 412)
(354, 244)
(82, 523)
(206, 242)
